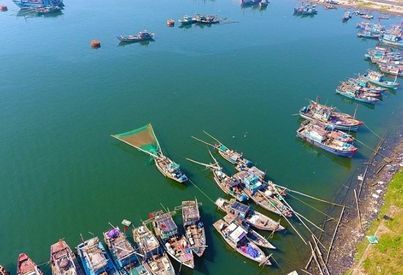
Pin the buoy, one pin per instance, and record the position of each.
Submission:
(95, 44)
(3, 8)
(170, 22)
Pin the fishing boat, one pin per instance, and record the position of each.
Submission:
(370, 26)
(251, 216)
(3, 271)
(329, 115)
(139, 37)
(350, 92)
(186, 20)
(379, 79)
(322, 140)
(63, 261)
(95, 259)
(367, 16)
(234, 157)
(305, 10)
(205, 19)
(29, 4)
(122, 251)
(155, 260)
(194, 227)
(358, 85)
(263, 194)
(175, 244)
(368, 34)
(346, 16)
(25, 266)
(229, 185)
(236, 237)
(251, 234)
(391, 39)
(331, 131)
(392, 69)
(263, 4)
(144, 140)
(246, 3)
(379, 54)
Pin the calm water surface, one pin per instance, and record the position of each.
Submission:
(61, 172)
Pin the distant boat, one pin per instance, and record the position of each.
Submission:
(346, 16)
(175, 244)
(25, 266)
(305, 10)
(194, 227)
(379, 80)
(368, 34)
(38, 3)
(391, 69)
(122, 251)
(3, 271)
(391, 39)
(206, 19)
(95, 259)
(356, 93)
(186, 20)
(144, 140)
(245, 212)
(236, 237)
(63, 261)
(155, 260)
(329, 115)
(322, 140)
(139, 37)
(367, 16)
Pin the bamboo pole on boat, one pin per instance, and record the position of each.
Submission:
(308, 196)
(138, 148)
(358, 209)
(202, 164)
(202, 141)
(213, 137)
(334, 235)
(305, 271)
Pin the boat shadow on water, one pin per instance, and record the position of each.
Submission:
(141, 43)
(319, 153)
(31, 13)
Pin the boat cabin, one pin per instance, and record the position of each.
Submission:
(166, 226)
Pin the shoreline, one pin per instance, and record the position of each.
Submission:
(390, 7)
(376, 176)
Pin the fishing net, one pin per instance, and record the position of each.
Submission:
(143, 138)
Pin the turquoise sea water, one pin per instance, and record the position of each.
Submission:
(61, 172)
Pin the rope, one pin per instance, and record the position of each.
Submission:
(307, 204)
(372, 131)
(369, 148)
(201, 191)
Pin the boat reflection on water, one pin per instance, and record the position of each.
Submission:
(142, 43)
(39, 12)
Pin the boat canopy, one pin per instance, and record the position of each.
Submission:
(142, 138)
(166, 225)
(223, 148)
(240, 209)
(237, 234)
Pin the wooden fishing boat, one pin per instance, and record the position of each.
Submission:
(175, 244)
(229, 185)
(155, 260)
(364, 83)
(245, 212)
(25, 266)
(122, 251)
(329, 131)
(322, 140)
(95, 259)
(348, 91)
(63, 260)
(3, 271)
(186, 20)
(205, 19)
(392, 69)
(236, 237)
(251, 234)
(144, 140)
(369, 34)
(367, 16)
(329, 115)
(263, 194)
(305, 10)
(379, 79)
(194, 227)
(391, 39)
(139, 37)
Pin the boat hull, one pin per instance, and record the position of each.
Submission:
(347, 154)
(357, 98)
(389, 85)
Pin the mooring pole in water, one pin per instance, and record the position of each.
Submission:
(334, 235)
(358, 209)
(315, 258)
(320, 255)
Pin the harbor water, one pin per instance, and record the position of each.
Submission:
(62, 174)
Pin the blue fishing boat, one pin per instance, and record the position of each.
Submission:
(28, 4)
(391, 39)
(123, 253)
(95, 259)
(139, 37)
(322, 139)
(379, 79)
